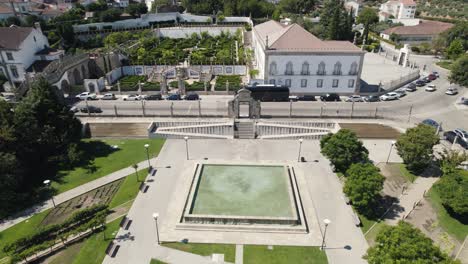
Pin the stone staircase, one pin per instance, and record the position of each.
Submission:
(244, 129)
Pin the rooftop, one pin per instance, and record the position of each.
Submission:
(13, 36)
(294, 38)
(426, 27)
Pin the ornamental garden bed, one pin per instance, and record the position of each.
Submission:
(235, 82)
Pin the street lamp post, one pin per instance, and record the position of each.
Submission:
(186, 147)
(47, 184)
(147, 156)
(135, 166)
(300, 147)
(155, 217)
(326, 222)
(390, 151)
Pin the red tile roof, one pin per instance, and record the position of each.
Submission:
(13, 36)
(426, 27)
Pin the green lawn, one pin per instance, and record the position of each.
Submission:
(445, 64)
(21, 229)
(283, 255)
(229, 251)
(366, 223)
(405, 172)
(128, 190)
(94, 247)
(107, 160)
(155, 261)
(370, 237)
(447, 222)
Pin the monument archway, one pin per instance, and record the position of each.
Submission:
(244, 106)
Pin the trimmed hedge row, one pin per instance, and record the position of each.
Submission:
(235, 82)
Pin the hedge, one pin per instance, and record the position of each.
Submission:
(235, 82)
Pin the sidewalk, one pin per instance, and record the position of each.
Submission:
(60, 198)
(411, 196)
(175, 256)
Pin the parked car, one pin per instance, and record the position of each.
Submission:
(401, 92)
(432, 77)
(354, 98)
(174, 97)
(91, 109)
(430, 88)
(74, 109)
(389, 96)
(86, 96)
(132, 97)
(451, 91)
(420, 83)
(293, 98)
(192, 97)
(435, 73)
(462, 134)
(306, 98)
(432, 123)
(372, 98)
(153, 97)
(426, 79)
(450, 137)
(108, 96)
(330, 97)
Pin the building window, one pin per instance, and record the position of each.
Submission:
(335, 83)
(305, 68)
(272, 81)
(14, 71)
(337, 68)
(9, 56)
(319, 83)
(289, 69)
(273, 70)
(303, 83)
(353, 69)
(321, 68)
(351, 83)
(287, 82)
(34, 37)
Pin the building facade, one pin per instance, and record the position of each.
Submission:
(20, 48)
(291, 56)
(397, 9)
(424, 32)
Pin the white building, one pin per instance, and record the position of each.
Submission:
(121, 3)
(397, 9)
(291, 56)
(22, 50)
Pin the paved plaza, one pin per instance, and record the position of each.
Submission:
(319, 188)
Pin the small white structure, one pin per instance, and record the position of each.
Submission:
(121, 3)
(21, 48)
(397, 9)
(291, 56)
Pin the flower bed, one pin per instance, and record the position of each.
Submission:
(235, 82)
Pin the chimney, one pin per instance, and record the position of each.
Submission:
(37, 26)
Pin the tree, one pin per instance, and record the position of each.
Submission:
(367, 17)
(453, 191)
(343, 149)
(296, 6)
(136, 9)
(455, 49)
(415, 147)
(110, 15)
(335, 21)
(450, 160)
(13, 20)
(404, 244)
(459, 72)
(439, 44)
(459, 31)
(363, 185)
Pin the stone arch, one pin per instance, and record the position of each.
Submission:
(91, 87)
(84, 72)
(77, 76)
(65, 87)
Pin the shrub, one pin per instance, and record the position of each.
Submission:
(235, 82)
(453, 191)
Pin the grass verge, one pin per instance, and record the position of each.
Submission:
(283, 255)
(405, 172)
(446, 221)
(93, 250)
(372, 234)
(228, 250)
(445, 64)
(155, 261)
(129, 188)
(106, 160)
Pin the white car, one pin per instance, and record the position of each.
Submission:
(355, 98)
(389, 96)
(430, 88)
(108, 96)
(86, 96)
(132, 97)
(401, 92)
(462, 134)
(451, 91)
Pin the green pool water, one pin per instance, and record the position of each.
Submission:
(240, 190)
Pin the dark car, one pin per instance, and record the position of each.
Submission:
(372, 98)
(420, 83)
(450, 137)
(153, 97)
(192, 97)
(411, 87)
(432, 77)
(426, 80)
(174, 97)
(330, 97)
(91, 109)
(432, 123)
(306, 98)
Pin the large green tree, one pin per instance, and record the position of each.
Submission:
(363, 186)
(367, 17)
(405, 244)
(455, 50)
(459, 71)
(297, 6)
(453, 191)
(343, 149)
(336, 21)
(415, 147)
